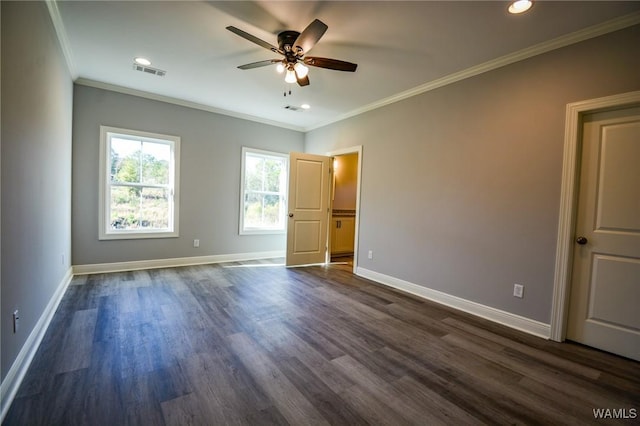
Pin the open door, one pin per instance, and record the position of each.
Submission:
(309, 197)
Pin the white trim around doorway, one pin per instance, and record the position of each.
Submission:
(568, 198)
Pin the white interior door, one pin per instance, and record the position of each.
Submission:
(309, 195)
(604, 309)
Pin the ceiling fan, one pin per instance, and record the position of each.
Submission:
(294, 47)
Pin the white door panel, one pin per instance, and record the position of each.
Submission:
(619, 179)
(611, 277)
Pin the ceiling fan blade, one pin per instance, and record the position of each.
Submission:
(259, 64)
(310, 36)
(252, 38)
(251, 12)
(332, 64)
(304, 81)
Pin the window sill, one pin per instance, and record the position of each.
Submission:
(136, 235)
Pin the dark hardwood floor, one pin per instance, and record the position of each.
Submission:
(255, 344)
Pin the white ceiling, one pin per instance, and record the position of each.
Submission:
(400, 48)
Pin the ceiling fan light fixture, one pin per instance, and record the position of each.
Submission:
(290, 77)
(280, 67)
(520, 6)
(301, 70)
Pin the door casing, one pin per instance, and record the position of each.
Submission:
(568, 202)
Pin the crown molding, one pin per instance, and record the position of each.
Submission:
(61, 33)
(182, 102)
(535, 50)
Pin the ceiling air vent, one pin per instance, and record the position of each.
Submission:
(149, 70)
(293, 108)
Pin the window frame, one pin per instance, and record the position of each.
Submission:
(104, 209)
(284, 193)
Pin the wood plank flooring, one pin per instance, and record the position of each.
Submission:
(255, 343)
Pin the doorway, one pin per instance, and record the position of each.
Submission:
(343, 212)
(344, 223)
(598, 258)
(309, 239)
(309, 202)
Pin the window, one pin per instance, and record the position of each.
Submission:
(264, 192)
(138, 184)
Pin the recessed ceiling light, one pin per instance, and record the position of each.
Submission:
(305, 106)
(142, 61)
(520, 6)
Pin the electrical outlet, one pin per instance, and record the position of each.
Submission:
(16, 321)
(518, 290)
(196, 243)
(370, 256)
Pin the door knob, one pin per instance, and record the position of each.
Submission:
(290, 214)
(582, 241)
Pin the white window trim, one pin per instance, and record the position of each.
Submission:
(241, 229)
(104, 233)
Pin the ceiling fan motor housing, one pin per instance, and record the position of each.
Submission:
(285, 43)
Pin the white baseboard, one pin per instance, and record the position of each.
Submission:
(508, 319)
(100, 268)
(16, 373)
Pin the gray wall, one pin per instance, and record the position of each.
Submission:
(36, 169)
(209, 176)
(461, 185)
